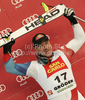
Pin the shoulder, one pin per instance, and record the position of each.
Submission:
(67, 51)
(33, 64)
(33, 70)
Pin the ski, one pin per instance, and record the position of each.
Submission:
(52, 14)
(74, 15)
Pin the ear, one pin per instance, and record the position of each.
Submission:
(36, 49)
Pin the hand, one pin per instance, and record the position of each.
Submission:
(7, 47)
(69, 14)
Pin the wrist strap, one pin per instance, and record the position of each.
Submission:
(73, 20)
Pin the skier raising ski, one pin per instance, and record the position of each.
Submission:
(52, 70)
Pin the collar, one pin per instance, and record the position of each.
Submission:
(44, 60)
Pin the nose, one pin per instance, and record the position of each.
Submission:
(46, 47)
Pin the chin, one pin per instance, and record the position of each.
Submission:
(49, 55)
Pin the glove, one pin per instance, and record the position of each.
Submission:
(7, 47)
(69, 14)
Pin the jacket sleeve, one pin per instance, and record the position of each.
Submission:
(18, 69)
(79, 38)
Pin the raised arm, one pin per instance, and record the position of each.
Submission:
(79, 36)
(10, 66)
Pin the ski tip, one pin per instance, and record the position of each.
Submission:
(45, 7)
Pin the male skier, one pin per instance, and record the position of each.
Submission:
(52, 70)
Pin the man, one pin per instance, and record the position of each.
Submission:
(52, 70)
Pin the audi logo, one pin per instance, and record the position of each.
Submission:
(29, 19)
(15, 2)
(21, 78)
(2, 88)
(35, 95)
(5, 31)
(17, 53)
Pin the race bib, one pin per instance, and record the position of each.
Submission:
(60, 75)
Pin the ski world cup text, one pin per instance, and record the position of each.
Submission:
(42, 19)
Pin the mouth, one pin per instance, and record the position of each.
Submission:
(48, 53)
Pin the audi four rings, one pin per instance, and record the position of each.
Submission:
(29, 19)
(21, 78)
(35, 95)
(2, 88)
(15, 2)
(7, 30)
(17, 53)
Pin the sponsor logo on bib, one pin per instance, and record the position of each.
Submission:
(50, 92)
(55, 66)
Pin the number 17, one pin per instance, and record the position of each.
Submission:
(58, 79)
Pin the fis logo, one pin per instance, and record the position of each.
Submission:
(50, 92)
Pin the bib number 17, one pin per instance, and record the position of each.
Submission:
(63, 75)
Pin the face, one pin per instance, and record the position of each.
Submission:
(45, 49)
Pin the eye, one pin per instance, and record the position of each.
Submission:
(46, 42)
(41, 46)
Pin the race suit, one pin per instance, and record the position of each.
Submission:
(55, 78)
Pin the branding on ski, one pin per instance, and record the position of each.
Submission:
(7, 39)
(55, 66)
(52, 14)
(42, 20)
(51, 10)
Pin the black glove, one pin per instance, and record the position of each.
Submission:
(69, 13)
(7, 47)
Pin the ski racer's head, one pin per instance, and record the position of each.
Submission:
(42, 44)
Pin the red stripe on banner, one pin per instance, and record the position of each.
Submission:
(74, 94)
